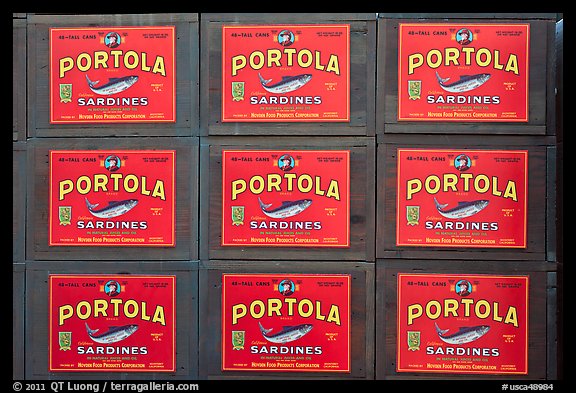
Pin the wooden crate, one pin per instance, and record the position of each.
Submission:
(538, 227)
(362, 75)
(362, 322)
(186, 94)
(186, 199)
(361, 198)
(541, 350)
(186, 311)
(541, 93)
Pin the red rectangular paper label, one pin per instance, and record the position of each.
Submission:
(286, 322)
(112, 197)
(463, 72)
(286, 73)
(285, 198)
(462, 198)
(112, 323)
(113, 74)
(462, 324)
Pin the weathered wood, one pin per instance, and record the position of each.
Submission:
(551, 203)
(18, 320)
(361, 198)
(19, 79)
(372, 136)
(186, 199)
(19, 176)
(187, 69)
(386, 313)
(37, 307)
(362, 312)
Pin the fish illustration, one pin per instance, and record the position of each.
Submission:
(114, 333)
(463, 335)
(114, 85)
(465, 83)
(287, 334)
(287, 209)
(287, 84)
(463, 210)
(113, 209)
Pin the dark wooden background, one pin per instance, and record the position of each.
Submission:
(372, 136)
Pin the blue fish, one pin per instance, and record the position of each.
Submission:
(463, 335)
(463, 210)
(287, 209)
(112, 335)
(287, 84)
(113, 209)
(287, 334)
(114, 85)
(465, 83)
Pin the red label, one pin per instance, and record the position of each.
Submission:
(462, 324)
(462, 198)
(288, 322)
(112, 323)
(286, 198)
(112, 198)
(286, 73)
(113, 75)
(463, 72)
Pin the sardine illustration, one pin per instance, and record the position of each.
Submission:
(113, 209)
(112, 335)
(463, 335)
(463, 210)
(286, 85)
(465, 83)
(114, 85)
(287, 209)
(287, 334)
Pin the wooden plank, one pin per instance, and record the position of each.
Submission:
(386, 314)
(187, 70)
(19, 176)
(18, 79)
(559, 82)
(560, 321)
(186, 316)
(361, 198)
(541, 90)
(471, 15)
(386, 196)
(18, 320)
(551, 203)
(186, 199)
(553, 330)
(559, 188)
(362, 312)
(362, 76)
